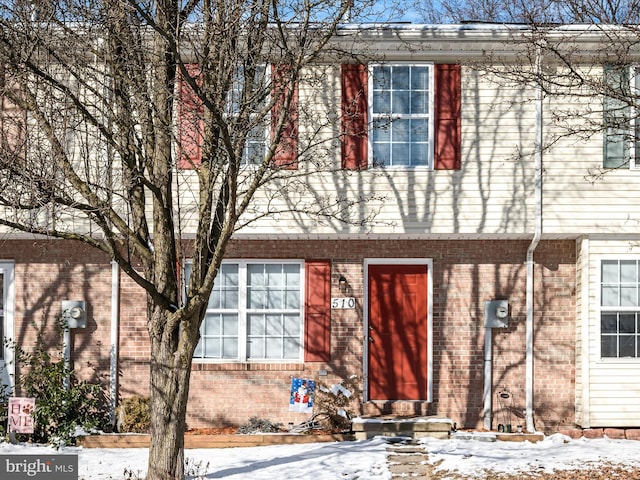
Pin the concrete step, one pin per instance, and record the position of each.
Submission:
(411, 427)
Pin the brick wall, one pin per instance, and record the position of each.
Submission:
(465, 274)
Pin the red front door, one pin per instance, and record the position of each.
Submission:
(397, 332)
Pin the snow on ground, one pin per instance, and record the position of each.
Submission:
(359, 460)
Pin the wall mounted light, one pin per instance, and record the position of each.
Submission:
(342, 283)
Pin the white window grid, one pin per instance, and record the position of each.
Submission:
(389, 118)
(291, 334)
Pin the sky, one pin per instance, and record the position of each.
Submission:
(357, 460)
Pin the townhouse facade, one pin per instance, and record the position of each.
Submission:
(485, 279)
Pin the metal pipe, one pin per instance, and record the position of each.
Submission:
(529, 327)
(488, 359)
(113, 352)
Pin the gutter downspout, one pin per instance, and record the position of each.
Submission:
(113, 352)
(529, 329)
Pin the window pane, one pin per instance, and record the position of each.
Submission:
(256, 325)
(609, 271)
(401, 130)
(627, 346)
(230, 324)
(273, 325)
(275, 299)
(381, 77)
(400, 154)
(230, 348)
(381, 154)
(629, 296)
(292, 275)
(609, 323)
(400, 79)
(610, 296)
(256, 298)
(419, 154)
(627, 323)
(274, 348)
(382, 102)
(292, 325)
(255, 348)
(292, 299)
(211, 324)
(628, 271)
(400, 102)
(255, 275)
(273, 275)
(291, 348)
(212, 347)
(609, 346)
(419, 103)
(381, 130)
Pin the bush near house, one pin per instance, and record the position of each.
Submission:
(133, 415)
(65, 405)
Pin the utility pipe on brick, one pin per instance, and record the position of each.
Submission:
(113, 352)
(529, 327)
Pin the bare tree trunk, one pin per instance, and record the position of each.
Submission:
(170, 371)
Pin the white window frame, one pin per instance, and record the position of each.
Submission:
(612, 309)
(634, 148)
(243, 313)
(430, 115)
(267, 76)
(7, 365)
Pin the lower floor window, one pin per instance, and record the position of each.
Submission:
(254, 313)
(620, 308)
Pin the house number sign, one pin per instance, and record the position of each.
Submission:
(343, 302)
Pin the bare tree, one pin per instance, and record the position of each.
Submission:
(129, 125)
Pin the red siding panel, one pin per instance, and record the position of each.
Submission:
(448, 93)
(354, 117)
(317, 342)
(286, 154)
(190, 122)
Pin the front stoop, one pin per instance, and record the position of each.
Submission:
(415, 427)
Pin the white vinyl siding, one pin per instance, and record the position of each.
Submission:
(612, 393)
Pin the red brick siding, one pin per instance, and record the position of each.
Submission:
(465, 274)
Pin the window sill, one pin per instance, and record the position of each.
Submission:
(246, 366)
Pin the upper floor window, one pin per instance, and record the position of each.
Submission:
(620, 308)
(621, 122)
(402, 115)
(254, 313)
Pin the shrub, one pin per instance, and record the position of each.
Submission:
(337, 403)
(64, 404)
(259, 425)
(133, 415)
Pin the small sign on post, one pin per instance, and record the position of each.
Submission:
(20, 418)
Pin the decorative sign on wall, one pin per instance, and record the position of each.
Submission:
(20, 418)
(302, 393)
(343, 302)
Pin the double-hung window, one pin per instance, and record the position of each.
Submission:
(402, 115)
(622, 117)
(254, 313)
(620, 309)
(6, 324)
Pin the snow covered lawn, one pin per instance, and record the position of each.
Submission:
(365, 460)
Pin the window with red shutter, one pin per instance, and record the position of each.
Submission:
(317, 324)
(397, 99)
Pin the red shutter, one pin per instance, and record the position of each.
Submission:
(317, 321)
(286, 154)
(354, 117)
(190, 124)
(448, 93)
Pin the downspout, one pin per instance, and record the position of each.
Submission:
(113, 352)
(529, 330)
